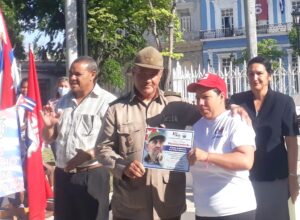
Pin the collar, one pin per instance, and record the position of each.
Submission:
(96, 92)
(270, 92)
(133, 96)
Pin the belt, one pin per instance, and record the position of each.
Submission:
(84, 169)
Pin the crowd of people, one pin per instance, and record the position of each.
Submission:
(243, 162)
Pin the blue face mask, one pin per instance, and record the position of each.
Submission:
(62, 91)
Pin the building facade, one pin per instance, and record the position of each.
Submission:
(223, 29)
(189, 13)
(48, 73)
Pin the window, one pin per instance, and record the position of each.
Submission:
(226, 64)
(227, 21)
(295, 4)
(185, 21)
(295, 68)
(294, 62)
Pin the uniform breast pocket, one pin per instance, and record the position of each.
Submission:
(89, 125)
(131, 138)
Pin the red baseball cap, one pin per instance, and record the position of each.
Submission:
(209, 80)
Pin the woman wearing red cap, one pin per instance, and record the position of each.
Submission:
(222, 156)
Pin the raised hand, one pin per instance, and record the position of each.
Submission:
(49, 117)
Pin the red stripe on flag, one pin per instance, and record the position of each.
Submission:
(37, 185)
(8, 96)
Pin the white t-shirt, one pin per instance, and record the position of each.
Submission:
(219, 191)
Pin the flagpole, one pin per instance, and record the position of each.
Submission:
(250, 21)
(71, 32)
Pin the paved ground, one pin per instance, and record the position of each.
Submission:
(190, 212)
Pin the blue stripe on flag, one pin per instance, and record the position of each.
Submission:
(11, 56)
(26, 102)
(27, 106)
(1, 59)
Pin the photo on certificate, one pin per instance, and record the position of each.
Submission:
(167, 149)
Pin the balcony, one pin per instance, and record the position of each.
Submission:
(233, 32)
(191, 35)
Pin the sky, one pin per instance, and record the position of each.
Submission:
(30, 36)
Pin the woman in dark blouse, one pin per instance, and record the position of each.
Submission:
(273, 114)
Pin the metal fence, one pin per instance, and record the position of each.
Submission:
(283, 80)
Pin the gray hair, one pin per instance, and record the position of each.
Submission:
(91, 63)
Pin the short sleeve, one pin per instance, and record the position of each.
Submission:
(242, 133)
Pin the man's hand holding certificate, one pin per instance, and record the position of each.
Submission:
(167, 149)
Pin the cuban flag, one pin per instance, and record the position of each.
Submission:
(9, 74)
(282, 6)
(26, 103)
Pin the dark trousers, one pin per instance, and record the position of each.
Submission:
(176, 218)
(241, 216)
(81, 196)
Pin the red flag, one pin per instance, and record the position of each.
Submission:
(37, 185)
(8, 68)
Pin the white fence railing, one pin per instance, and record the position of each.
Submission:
(283, 80)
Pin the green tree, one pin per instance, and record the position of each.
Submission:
(293, 38)
(116, 29)
(29, 15)
(110, 73)
(267, 48)
(9, 10)
(46, 16)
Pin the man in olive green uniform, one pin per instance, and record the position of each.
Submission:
(139, 193)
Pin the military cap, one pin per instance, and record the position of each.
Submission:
(156, 135)
(149, 57)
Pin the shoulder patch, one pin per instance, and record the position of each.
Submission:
(172, 93)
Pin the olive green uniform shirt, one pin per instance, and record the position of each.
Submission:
(159, 194)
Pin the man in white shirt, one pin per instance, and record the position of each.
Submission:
(82, 193)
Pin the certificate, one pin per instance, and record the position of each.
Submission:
(167, 149)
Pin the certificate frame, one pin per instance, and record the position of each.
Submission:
(174, 147)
